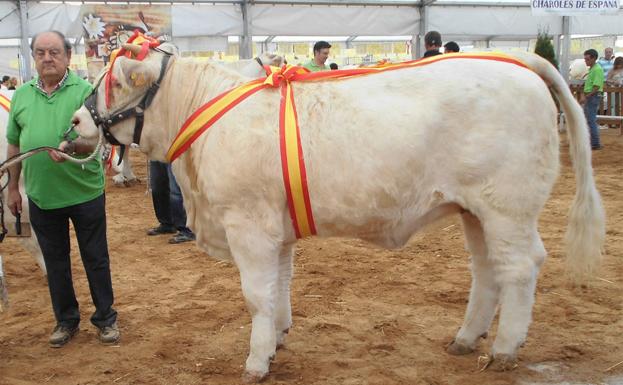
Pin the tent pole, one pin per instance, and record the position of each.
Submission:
(557, 48)
(24, 47)
(419, 47)
(246, 48)
(566, 44)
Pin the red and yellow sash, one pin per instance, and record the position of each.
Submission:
(292, 159)
(5, 103)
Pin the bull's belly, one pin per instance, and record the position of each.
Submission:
(391, 231)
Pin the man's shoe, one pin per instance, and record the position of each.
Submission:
(181, 237)
(109, 334)
(62, 335)
(161, 229)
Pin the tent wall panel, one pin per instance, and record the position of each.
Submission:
(206, 20)
(333, 20)
(490, 21)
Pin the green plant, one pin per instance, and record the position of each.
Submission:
(545, 48)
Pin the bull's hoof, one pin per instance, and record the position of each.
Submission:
(130, 182)
(502, 363)
(120, 181)
(253, 377)
(457, 349)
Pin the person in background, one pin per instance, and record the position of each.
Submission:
(13, 83)
(432, 43)
(607, 61)
(615, 76)
(58, 191)
(321, 54)
(451, 47)
(590, 98)
(168, 204)
(5, 82)
(333, 66)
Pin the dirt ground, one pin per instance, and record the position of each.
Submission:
(362, 315)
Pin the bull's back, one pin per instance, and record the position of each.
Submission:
(383, 146)
(383, 149)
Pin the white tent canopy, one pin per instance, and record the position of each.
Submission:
(217, 19)
(462, 20)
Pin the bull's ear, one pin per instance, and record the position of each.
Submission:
(135, 49)
(136, 73)
(169, 48)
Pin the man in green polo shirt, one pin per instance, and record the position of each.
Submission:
(41, 111)
(593, 87)
(321, 54)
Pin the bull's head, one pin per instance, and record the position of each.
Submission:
(122, 93)
(271, 59)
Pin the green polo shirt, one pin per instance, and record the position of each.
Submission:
(594, 78)
(36, 120)
(313, 67)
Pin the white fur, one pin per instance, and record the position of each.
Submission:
(125, 176)
(578, 69)
(248, 67)
(30, 244)
(385, 155)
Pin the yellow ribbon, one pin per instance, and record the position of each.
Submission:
(5, 103)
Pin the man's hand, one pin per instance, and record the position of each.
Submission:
(14, 201)
(66, 147)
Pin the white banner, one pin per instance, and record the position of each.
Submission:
(574, 7)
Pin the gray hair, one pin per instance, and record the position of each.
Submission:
(66, 43)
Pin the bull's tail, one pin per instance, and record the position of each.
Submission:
(585, 235)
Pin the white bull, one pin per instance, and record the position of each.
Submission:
(30, 244)
(385, 154)
(252, 68)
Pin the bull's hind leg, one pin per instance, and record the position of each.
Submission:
(283, 311)
(484, 294)
(256, 254)
(517, 253)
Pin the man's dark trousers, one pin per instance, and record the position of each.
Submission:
(52, 230)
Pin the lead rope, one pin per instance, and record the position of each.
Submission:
(23, 155)
(4, 166)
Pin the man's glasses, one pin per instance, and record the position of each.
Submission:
(54, 53)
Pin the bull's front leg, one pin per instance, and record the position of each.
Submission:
(256, 254)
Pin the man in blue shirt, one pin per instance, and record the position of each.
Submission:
(607, 62)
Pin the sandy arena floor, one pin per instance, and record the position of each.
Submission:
(362, 315)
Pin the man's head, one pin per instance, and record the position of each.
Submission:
(321, 52)
(608, 53)
(5, 80)
(52, 53)
(451, 47)
(590, 57)
(432, 40)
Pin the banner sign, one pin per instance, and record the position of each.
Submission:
(574, 7)
(107, 27)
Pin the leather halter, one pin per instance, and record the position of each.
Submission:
(138, 111)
